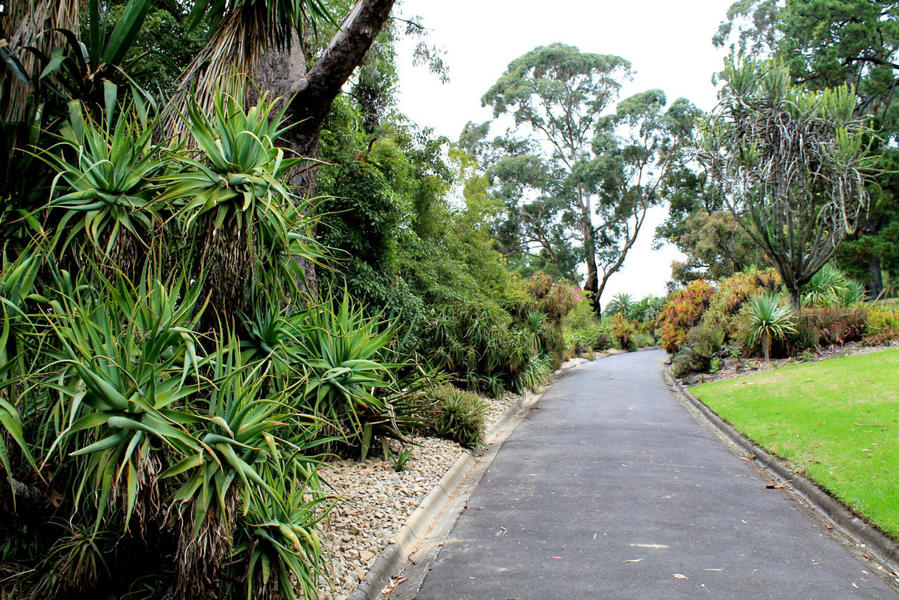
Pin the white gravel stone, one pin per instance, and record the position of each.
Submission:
(376, 501)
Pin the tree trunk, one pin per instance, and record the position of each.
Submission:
(795, 297)
(766, 347)
(592, 283)
(312, 92)
(875, 285)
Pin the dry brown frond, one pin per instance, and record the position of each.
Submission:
(24, 22)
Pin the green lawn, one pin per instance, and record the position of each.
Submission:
(835, 420)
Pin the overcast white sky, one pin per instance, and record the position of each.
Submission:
(667, 41)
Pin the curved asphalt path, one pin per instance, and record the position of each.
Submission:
(609, 488)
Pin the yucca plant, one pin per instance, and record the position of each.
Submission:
(101, 195)
(232, 192)
(769, 320)
(343, 352)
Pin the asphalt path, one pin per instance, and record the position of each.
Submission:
(610, 489)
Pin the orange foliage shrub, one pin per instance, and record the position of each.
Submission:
(682, 311)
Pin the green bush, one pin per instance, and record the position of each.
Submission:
(883, 325)
(624, 332)
(460, 416)
(582, 330)
(730, 297)
(700, 346)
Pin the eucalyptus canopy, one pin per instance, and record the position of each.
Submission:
(578, 180)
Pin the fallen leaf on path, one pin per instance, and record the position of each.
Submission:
(679, 576)
(777, 486)
(716, 570)
(633, 560)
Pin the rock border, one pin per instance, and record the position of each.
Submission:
(877, 544)
(401, 546)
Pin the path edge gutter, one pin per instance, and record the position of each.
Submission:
(398, 550)
(880, 546)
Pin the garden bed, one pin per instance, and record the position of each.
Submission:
(741, 367)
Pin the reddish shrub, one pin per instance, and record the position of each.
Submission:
(683, 310)
(827, 326)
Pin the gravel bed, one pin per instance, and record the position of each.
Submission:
(740, 367)
(376, 501)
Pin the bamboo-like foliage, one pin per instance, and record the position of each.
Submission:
(792, 164)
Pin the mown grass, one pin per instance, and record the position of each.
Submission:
(837, 421)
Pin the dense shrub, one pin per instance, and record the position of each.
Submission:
(460, 415)
(730, 296)
(699, 347)
(827, 326)
(583, 331)
(883, 325)
(683, 310)
(624, 333)
(732, 292)
(555, 299)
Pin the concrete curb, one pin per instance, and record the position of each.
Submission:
(876, 543)
(396, 553)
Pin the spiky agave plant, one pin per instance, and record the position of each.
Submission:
(243, 484)
(126, 364)
(100, 205)
(769, 319)
(232, 193)
(343, 353)
(17, 333)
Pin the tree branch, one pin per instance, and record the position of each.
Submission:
(341, 57)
